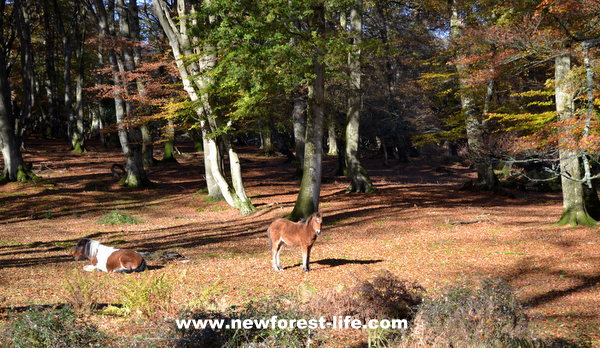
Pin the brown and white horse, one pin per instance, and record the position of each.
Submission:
(108, 259)
(295, 234)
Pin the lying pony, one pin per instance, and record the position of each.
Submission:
(108, 259)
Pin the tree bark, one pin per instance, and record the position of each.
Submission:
(136, 175)
(14, 166)
(267, 139)
(168, 155)
(590, 190)
(50, 80)
(310, 186)
(27, 70)
(145, 128)
(359, 179)
(486, 178)
(77, 140)
(66, 37)
(299, 124)
(332, 148)
(574, 210)
(147, 146)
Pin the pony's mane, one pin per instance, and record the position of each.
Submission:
(90, 247)
(307, 219)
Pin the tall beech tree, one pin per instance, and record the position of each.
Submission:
(532, 37)
(195, 76)
(307, 201)
(474, 123)
(574, 209)
(116, 39)
(14, 166)
(359, 179)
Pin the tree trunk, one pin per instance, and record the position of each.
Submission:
(212, 186)
(486, 178)
(299, 123)
(77, 126)
(14, 169)
(359, 179)
(331, 137)
(194, 83)
(180, 47)
(574, 210)
(14, 166)
(147, 146)
(267, 139)
(50, 81)
(136, 50)
(130, 135)
(197, 139)
(310, 186)
(168, 155)
(590, 190)
(136, 175)
(27, 70)
(67, 55)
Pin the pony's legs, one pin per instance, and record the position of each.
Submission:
(306, 258)
(275, 250)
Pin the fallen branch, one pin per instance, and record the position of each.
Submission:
(480, 218)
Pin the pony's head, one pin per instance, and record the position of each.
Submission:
(316, 222)
(81, 250)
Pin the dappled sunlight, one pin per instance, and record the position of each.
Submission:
(420, 230)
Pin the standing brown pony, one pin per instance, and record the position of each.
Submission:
(295, 234)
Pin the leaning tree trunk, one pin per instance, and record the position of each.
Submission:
(180, 46)
(486, 178)
(359, 179)
(310, 186)
(194, 83)
(574, 210)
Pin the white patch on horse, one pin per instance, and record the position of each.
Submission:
(101, 252)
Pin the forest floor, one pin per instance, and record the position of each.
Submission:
(418, 225)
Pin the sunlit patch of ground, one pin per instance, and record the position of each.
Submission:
(418, 226)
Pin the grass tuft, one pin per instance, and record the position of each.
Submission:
(119, 217)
